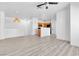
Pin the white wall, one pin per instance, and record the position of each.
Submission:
(53, 24)
(74, 23)
(13, 29)
(63, 24)
(2, 17)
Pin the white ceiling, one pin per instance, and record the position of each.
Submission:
(25, 9)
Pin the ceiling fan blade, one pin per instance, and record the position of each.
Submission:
(42, 4)
(53, 2)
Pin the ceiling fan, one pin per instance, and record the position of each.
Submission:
(46, 3)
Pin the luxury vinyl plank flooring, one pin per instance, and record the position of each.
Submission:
(36, 46)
